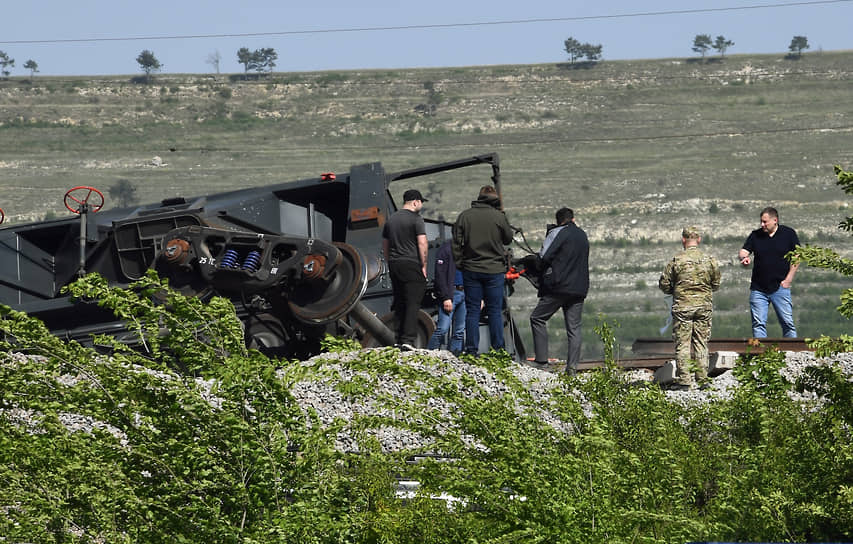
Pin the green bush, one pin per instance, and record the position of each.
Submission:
(199, 439)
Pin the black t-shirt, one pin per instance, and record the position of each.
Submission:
(769, 266)
(402, 230)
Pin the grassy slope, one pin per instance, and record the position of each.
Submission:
(638, 148)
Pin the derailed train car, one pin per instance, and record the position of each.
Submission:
(298, 259)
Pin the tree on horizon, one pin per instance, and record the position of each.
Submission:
(149, 63)
(5, 60)
(721, 44)
(798, 43)
(124, 192)
(701, 44)
(591, 52)
(214, 59)
(259, 60)
(265, 59)
(577, 50)
(32, 66)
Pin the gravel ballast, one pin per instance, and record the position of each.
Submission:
(321, 394)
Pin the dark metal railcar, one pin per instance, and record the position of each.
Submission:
(298, 259)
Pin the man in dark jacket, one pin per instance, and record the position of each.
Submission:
(451, 296)
(564, 284)
(479, 236)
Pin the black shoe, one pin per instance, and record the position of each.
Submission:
(531, 360)
(673, 386)
(407, 347)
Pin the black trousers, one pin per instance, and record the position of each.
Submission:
(408, 285)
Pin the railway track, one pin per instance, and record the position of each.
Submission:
(664, 346)
(653, 353)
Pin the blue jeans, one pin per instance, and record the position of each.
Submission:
(487, 288)
(456, 317)
(782, 304)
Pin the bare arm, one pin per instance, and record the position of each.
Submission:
(743, 255)
(385, 249)
(789, 279)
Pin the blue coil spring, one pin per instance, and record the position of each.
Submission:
(229, 260)
(252, 262)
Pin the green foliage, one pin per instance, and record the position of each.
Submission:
(148, 63)
(701, 44)
(845, 180)
(827, 345)
(721, 44)
(781, 449)
(195, 438)
(199, 454)
(798, 43)
(5, 61)
(124, 192)
(244, 57)
(577, 50)
(607, 334)
(828, 259)
(259, 60)
(32, 66)
(591, 52)
(336, 345)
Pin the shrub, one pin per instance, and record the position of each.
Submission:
(195, 438)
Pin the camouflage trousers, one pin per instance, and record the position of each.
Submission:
(691, 330)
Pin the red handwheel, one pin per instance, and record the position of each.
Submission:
(76, 194)
(2, 216)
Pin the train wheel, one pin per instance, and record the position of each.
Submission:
(264, 333)
(323, 302)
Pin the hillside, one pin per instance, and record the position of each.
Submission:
(637, 148)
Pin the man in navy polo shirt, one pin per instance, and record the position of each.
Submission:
(772, 274)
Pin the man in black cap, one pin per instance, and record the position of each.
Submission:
(404, 244)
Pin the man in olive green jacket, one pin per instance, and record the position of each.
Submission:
(479, 236)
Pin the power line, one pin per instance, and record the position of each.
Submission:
(432, 26)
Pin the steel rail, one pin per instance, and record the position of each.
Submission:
(665, 346)
(653, 353)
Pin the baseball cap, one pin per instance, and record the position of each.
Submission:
(413, 194)
(690, 232)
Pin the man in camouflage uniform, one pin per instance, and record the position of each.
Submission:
(691, 277)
